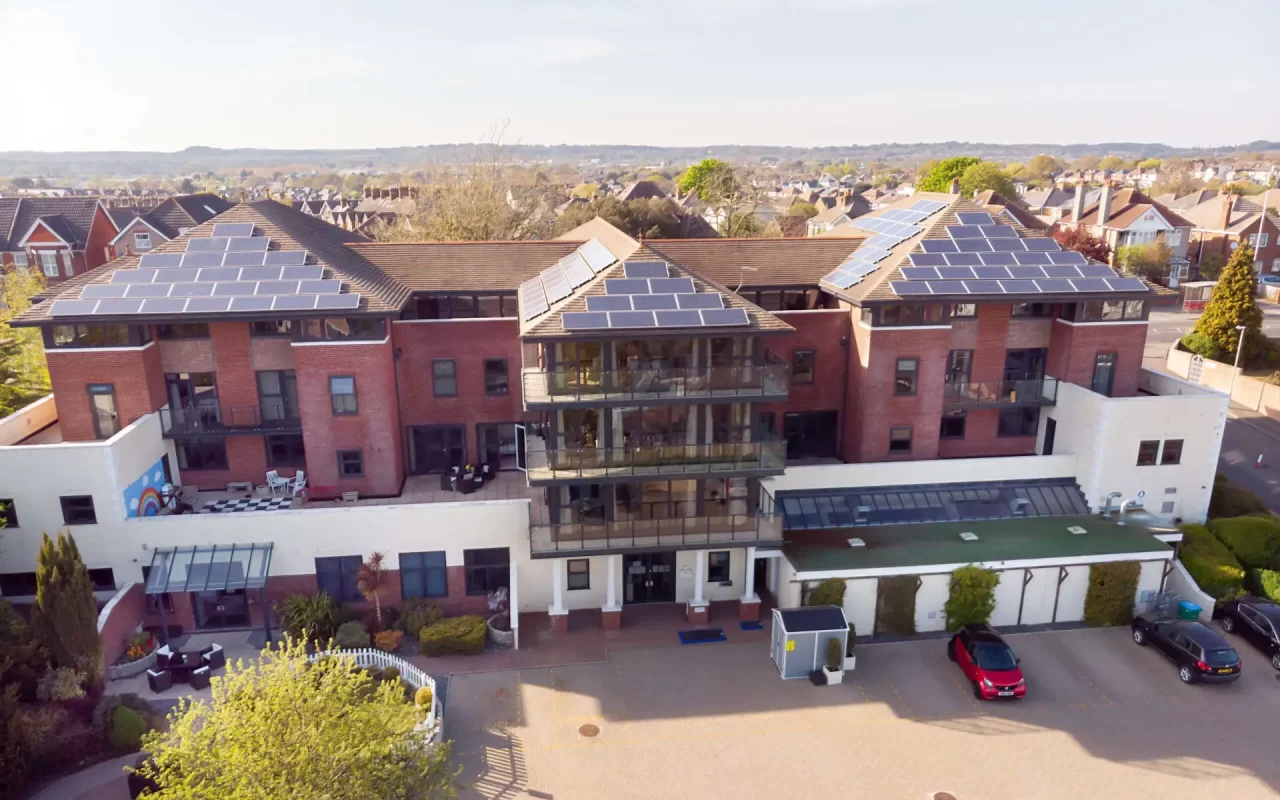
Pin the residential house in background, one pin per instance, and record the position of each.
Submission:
(642, 190)
(61, 236)
(1127, 218)
(837, 213)
(140, 232)
(1222, 222)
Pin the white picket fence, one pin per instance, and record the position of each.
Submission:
(369, 657)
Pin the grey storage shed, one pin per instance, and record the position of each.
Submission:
(800, 638)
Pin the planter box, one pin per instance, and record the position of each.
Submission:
(833, 677)
(133, 669)
(499, 637)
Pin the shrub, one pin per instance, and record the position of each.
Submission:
(835, 659)
(65, 616)
(973, 596)
(896, 605)
(61, 684)
(15, 742)
(1229, 500)
(391, 674)
(104, 712)
(1112, 588)
(1266, 582)
(417, 614)
(390, 618)
(1201, 345)
(1255, 541)
(1209, 562)
(387, 640)
(456, 635)
(127, 727)
(314, 614)
(352, 635)
(58, 740)
(828, 593)
(423, 697)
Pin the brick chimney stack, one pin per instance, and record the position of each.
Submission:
(1104, 204)
(1077, 205)
(1228, 203)
(955, 186)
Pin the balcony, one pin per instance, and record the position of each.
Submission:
(1033, 392)
(595, 537)
(226, 421)
(682, 461)
(768, 382)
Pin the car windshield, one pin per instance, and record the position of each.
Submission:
(1220, 658)
(990, 655)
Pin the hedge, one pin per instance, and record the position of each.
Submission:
(1112, 588)
(1255, 541)
(1266, 583)
(127, 727)
(973, 596)
(454, 636)
(896, 605)
(1229, 500)
(1214, 569)
(827, 593)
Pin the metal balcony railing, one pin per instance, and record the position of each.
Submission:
(1032, 392)
(764, 456)
(657, 382)
(226, 420)
(589, 536)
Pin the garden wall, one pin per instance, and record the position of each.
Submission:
(119, 618)
(1181, 583)
(1246, 392)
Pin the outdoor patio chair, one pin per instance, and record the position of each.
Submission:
(486, 472)
(200, 678)
(163, 656)
(275, 483)
(159, 680)
(446, 481)
(215, 658)
(298, 484)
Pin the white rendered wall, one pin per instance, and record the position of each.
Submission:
(931, 602)
(903, 473)
(1072, 593)
(1008, 593)
(860, 596)
(1149, 581)
(788, 594)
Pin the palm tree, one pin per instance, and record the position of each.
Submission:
(370, 580)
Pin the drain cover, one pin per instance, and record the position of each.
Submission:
(943, 796)
(590, 731)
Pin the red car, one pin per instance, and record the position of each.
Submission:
(988, 663)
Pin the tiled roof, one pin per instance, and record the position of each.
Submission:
(1207, 215)
(463, 266)
(76, 213)
(1128, 206)
(777, 262)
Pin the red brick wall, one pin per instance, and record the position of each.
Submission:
(981, 438)
(1074, 347)
(96, 249)
(246, 461)
(375, 429)
(136, 375)
(881, 410)
(468, 343)
(237, 383)
(858, 358)
(820, 331)
(121, 622)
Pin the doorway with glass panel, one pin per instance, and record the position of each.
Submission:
(580, 367)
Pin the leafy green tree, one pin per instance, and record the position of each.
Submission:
(802, 209)
(585, 190)
(1150, 163)
(1150, 261)
(1111, 163)
(940, 175)
(24, 376)
(65, 616)
(973, 596)
(651, 217)
(985, 175)
(1086, 162)
(1233, 304)
(284, 728)
(698, 178)
(1244, 188)
(1083, 242)
(1210, 267)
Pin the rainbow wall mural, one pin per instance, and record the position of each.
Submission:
(142, 497)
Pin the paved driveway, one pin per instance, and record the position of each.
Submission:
(1104, 719)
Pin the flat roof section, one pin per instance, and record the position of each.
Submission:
(901, 549)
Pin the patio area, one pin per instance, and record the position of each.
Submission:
(236, 644)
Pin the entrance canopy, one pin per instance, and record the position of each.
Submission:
(209, 568)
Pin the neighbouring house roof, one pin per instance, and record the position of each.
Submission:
(1127, 207)
(69, 217)
(641, 190)
(463, 266)
(1245, 215)
(996, 202)
(777, 262)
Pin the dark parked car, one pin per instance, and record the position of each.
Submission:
(1198, 651)
(1257, 620)
(988, 663)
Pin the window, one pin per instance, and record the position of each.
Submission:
(20, 260)
(49, 263)
(350, 463)
(1172, 453)
(768, 424)
(202, 453)
(285, 450)
(1147, 451)
(183, 330)
(959, 365)
(271, 327)
(461, 306)
(495, 376)
(1134, 309)
(142, 241)
(803, 366)
(486, 569)
(904, 377)
(953, 424)
(1018, 422)
(1167, 507)
(900, 440)
(336, 577)
(96, 335)
(343, 328)
(810, 434)
(910, 315)
(17, 584)
(423, 575)
(78, 510)
(1173, 238)
(102, 403)
(1253, 240)
(278, 394)
(579, 574)
(718, 566)
(342, 393)
(1032, 309)
(497, 442)
(8, 514)
(103, 579)
(444, 377)
(1104, 373)
(964, 310)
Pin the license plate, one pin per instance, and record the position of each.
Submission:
(1005, 694)
(1227, 669)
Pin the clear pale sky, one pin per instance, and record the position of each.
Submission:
(147, 75)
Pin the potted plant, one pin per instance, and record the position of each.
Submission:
(499, 622)
(834, 668)
(850, 660)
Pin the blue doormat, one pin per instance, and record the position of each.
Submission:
(751, 626)
(702, 636)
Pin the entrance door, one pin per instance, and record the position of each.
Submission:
(221, 609)
(436, 448)
(1050, 430)
(651, 578)
(761, 577)
(1104, 371)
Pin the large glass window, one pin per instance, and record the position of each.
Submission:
(278, 394)
(910, 314)
(495, 376)
(1018, 422)
(202, 452)
(461, 306)
(285, 450)
(336, 576)
(959, 366)
(97, 335)
(1104, 373)
(811, 434)
(436, 448)
(423, 575)
(804, 364)
(193, 398)
(444, 377)
(344, 328)
(102, 402)
(342, 394)
(497, 443)
(271, 327)
(904, 376)
(487, 569)
(1025, 365)
(953, 424)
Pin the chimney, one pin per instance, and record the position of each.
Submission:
(1077, 205)
(955, 186)
(1228, 203)
(1104, 204)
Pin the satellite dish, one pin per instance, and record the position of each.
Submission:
(1234, 245)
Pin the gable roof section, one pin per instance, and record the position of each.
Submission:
(53, 223)
(776, 262)
(462, 266)
(1245, 213)
(1128, 206)
(126, 225)
(77, 215)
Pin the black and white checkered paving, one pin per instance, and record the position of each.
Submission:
(248, 504)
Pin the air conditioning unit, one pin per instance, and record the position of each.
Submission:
(969, 536)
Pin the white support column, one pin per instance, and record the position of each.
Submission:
(612, 568)
(773, 577)
(699, 571)
(557, 586)
(749, 582)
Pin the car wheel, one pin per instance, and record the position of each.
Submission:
(1228, 624)
(951, 649)
(1275, 661)
(1186, 674)
(977, 690)
(1139, 637)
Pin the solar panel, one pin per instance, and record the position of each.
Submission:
(338, 302)
(133, 276)
(947, 287)
(208, 305)
(686, 318)
(178, 275)
(258, 303)
(644, 269)
(233, 229)
(843, 279)
(312, 272)
(1126, 284)
(632, 319)
(233, 289)
(992, 273)
(533, 298)
(928, 260)
(206, 245)
(329, 286)
(654, 302)
(555, 283)
(203, 259)
(278, 287)
(253, 243)
(1055, 285)
(218, 274)
(1007, 245)
(974, 218)
(928, 206)
(191, 290)
(295, 302)
(597, 256)
(999, 232)
(716, 316)
(147, 290)
(584, 320)
(285, 258)
(1097, 271)
(939, 246)
(1042, 244)
(1060, 271)
(955, 273)
(609, 302)
(154, 260)
(671, 286)
(1068, 257)
(920, 273)
(881, 242)
(119, 306)
(1026, 273)
(260, 274)
(973, 245)
(164, 305)
(576, 269)
(69, 308)
(964, 259)
(245, 258)
(869, 254)
(1020, 287)
(626, 286)
(1081, 284)
(698, 301)
(965, 232)
(985, 287)
(904, 288)
(97, 291)
(997, 259)
(1031, 258)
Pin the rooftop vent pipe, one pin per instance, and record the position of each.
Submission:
(1106, 510)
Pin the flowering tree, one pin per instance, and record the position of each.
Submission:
(1083, 242)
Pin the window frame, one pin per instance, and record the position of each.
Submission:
(489, 570)
(217, 443)
(427, 568)
(45, 263)
(341, 410)
(181, 331)
(960, 310)
(894, 443)
(1028, 422)
(898, 372)
(347, 568)
(343, 455)
(1164, 451)
(73, 504)
(504, 390)
(273, 461)
(142, 240)
(797, 355)
(103, 390)
(437, 379)
(719, 563)
(286, 398)
(271, 328)
(954, 414)
(8, 514)
(584, 575)
(1148, 453)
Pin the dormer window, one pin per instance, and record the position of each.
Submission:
(142, 241)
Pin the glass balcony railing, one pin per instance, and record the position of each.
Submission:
(226, 420)
(766, 456)
(1033, 392)
(740, 529)
(772, 379)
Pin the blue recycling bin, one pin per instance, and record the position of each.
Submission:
(1188, 610)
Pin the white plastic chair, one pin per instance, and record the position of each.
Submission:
(298, 484)
(275, 483)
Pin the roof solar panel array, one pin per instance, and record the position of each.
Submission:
(665, 318)
(558, 281)
(891, 228)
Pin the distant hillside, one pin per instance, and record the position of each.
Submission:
(119, 164)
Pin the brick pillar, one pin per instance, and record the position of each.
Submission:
(748, 612)
(696, 615)
(610, 620)
(560, 622)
